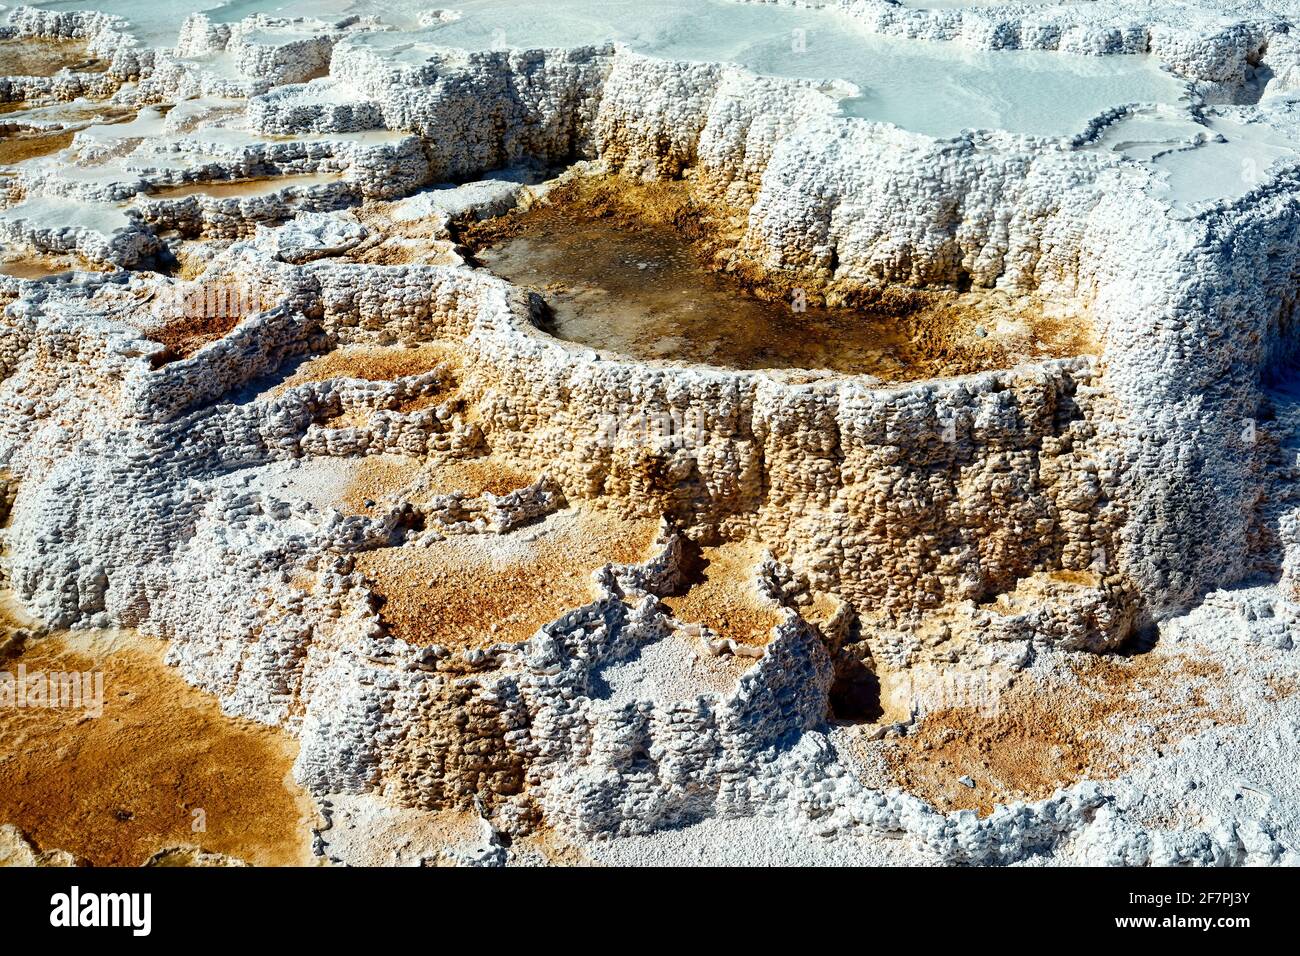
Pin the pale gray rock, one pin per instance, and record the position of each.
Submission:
(310, 236)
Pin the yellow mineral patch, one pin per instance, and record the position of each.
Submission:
(19, 145)
(41, 266)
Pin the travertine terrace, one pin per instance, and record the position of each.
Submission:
(1011, 581)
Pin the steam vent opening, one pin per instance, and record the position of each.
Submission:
(643, 271)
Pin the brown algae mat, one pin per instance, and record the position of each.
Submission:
(244, 188)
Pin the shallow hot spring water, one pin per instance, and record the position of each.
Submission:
(644, 293)
(245, 188)
(38, 56)
(641, 289)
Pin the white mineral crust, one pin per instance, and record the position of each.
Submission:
(1166, 459)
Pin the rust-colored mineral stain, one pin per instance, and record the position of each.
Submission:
(374, 363)
(477, 475)
(723, 596)
(376, 478)
(116, 788)
(181, 337)
(1045, 734)
(476, 590)
(394, 478)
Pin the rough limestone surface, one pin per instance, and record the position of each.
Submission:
(1014, 521)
